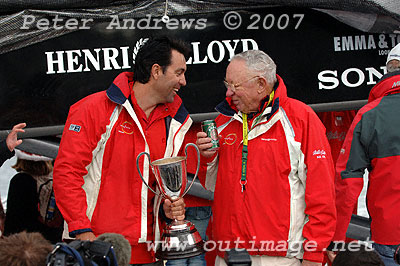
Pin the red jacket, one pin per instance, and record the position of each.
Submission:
(96, 183)
(289, 196)
(373, 143)
(337, 123)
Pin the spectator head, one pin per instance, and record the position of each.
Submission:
(393, 59)
(24, 249)
(32, 164)
(354, 254)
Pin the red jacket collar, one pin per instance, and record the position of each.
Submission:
(389, 84)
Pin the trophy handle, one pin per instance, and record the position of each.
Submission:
(140, 173)
(198, 165)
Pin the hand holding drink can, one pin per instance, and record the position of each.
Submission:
(210, 127)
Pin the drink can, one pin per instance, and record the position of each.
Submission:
(210, 127)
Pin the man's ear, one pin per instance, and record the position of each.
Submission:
(262, 84)
(156, 71)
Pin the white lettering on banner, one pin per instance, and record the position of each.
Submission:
(73, 60)
(86, 60)
(366, 42)
(230, 45)
(351, 77)
(55, 63)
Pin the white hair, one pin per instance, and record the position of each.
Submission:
(259, 62)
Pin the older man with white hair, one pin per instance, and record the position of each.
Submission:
(273, 173)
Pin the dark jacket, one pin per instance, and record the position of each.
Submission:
(5, 153)
(22, 209)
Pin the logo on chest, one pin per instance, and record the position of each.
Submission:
(126, 128)
(230, 139)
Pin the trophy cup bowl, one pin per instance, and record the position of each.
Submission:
(180, 239)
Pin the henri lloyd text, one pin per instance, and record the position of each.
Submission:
(85, 60)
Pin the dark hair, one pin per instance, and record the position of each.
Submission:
(358, 255)
(157, 51)
(28, 249)
(33, 167)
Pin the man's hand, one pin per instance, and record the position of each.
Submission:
(12, 140)
(310, 263)
(175, 209)
(331, 255)
(86, 236)
(203, 143)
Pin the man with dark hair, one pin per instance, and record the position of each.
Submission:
(355, 254)
(97, 186)
(24, 249)
(147, 57)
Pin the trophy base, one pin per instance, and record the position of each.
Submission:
(180, 240)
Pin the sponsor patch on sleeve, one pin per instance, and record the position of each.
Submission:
(75, 128)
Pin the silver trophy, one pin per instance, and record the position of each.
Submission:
(180, 239)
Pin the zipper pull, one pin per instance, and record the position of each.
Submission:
(243, 185)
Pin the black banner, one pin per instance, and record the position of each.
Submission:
(320, 59)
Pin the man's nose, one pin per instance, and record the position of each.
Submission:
(229, 92)
(182, 81)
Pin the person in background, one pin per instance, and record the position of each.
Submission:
(24, 249)
(273, 174)
(97, 186)
(337, 123)
(26, 197)
(373, 143)
(6, 152)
